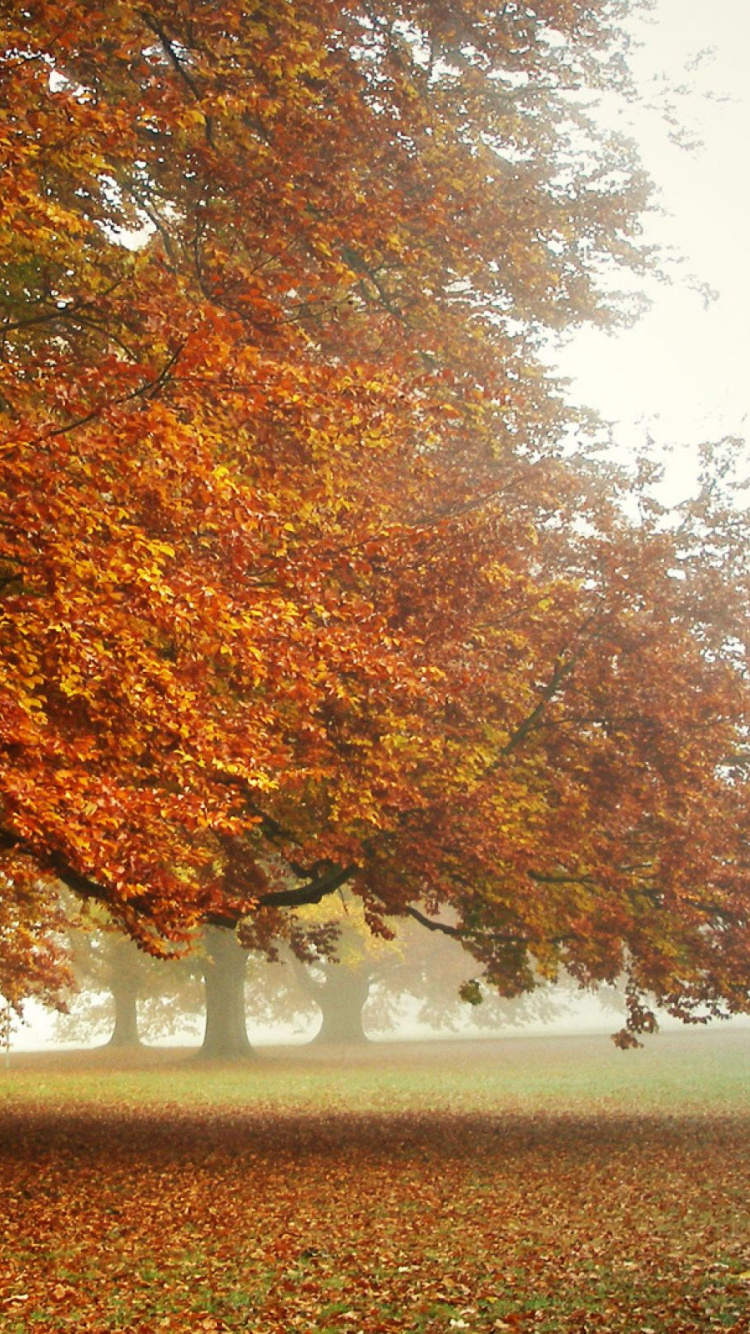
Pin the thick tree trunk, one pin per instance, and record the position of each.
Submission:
(125, 996)
(225, 1037)
(342, 999)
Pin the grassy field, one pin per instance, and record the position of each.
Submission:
(546, 1185)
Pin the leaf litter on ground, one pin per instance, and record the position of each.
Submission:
(268, 1217)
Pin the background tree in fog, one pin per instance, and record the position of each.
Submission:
(122, 990)
(361, 983)
(118, 989)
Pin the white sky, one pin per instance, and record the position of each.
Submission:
(683, 371)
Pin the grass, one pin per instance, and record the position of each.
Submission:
(690, 1069)
(548, 1185)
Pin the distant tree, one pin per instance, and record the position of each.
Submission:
(125, 977)
(331, 967)
(219, 959)
(340, 986)
(118, 988)
(361, 982)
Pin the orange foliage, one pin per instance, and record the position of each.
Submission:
(299, 584)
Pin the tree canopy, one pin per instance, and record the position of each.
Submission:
(306, 576)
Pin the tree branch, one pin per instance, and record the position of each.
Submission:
(148, 387)
(153, 23)
(461, 933)
(561, 670)
(74, 310)
(316, 888)
(431, 925)
(53, 861)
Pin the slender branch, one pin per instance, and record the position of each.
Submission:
(561, 670)
(637, 892)
(149, 387)
(360, 265)
(431, 925)
(461, 933)
(187, 78)
(155, 221)
(74, 310)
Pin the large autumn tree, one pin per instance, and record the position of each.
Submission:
(304, 578)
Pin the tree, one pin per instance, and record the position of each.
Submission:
(359, 982)
(224, 963)
(118, 988)
(123, 979)
(135, 995)
(305, 581)
(337, 969)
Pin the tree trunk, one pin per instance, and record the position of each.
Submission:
(124, 994)
(342, 999)
(225, 1037)
(123, 981)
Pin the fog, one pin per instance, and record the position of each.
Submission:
(581, 1014)
(678, 376)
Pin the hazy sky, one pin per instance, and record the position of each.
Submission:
(684, 370)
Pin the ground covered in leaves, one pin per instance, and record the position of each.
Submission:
(475, 1187)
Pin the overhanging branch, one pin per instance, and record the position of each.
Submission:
(461, 933)
(317, 887)
(75, 880)
(312, 892)
(431, 925)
